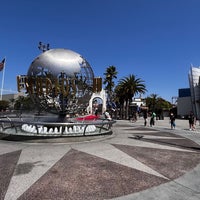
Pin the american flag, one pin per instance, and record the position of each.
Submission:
(2, 63)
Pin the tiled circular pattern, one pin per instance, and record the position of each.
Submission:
(106, 169)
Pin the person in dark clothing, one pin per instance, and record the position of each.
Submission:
(96, 111)
(192, 120)
(145, 115)
(152, 119)
(172, 121)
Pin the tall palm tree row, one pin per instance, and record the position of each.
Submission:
(126, 89)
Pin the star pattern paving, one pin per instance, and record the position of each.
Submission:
(102, 169)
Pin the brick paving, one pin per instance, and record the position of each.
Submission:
(159, 164)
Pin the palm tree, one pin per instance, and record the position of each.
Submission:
(151, 101)
(110, 74)
(131, 86)
(119, 97)
(157, 104)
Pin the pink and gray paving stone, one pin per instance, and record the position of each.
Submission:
(162, 164)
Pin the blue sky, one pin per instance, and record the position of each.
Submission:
(156, 40)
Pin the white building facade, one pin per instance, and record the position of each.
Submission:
(194, 82)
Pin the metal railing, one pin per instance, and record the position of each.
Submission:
(34, 127)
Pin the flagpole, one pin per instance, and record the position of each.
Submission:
(2, 82)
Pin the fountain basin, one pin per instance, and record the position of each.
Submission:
(36, 127)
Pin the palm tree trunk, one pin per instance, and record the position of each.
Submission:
(127, 105)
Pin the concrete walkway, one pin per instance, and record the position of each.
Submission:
(182, 128)
(135, 163)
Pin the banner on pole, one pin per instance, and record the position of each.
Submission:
(2, 63)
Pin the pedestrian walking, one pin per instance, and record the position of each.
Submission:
(145, 115)
(192, 121)
(172, 121)
(107, 115)
(152, 119)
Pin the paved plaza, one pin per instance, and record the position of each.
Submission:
(134, 163)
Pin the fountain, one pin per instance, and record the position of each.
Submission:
(60, 83)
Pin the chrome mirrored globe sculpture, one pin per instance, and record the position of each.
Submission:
(60, 81)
